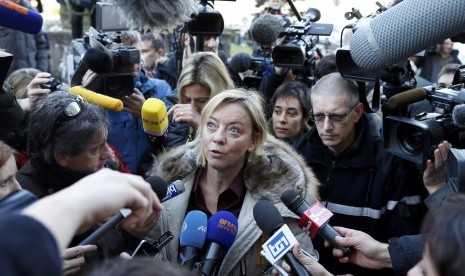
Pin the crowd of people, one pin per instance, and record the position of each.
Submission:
(68, 165)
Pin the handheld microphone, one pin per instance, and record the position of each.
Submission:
(159, 15)
(174, 189)
(97, 99)
(458, 115)
(266, 29)
(404, 30)
(155, 123)
(241, 62)
(158, 186)
(270, 222)
(20, 18)
(192, 238)
(221, 234)
(313, 219)
(408, 97)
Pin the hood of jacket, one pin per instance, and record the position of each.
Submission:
(266, 176)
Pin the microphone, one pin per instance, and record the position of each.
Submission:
(159, 15)
(313, 219)
(97, 99)
(173, 190)
(155, 123)
(221, 234)
(458, 115)
(98, 60)
(20, 18)
(312, 15)
(240, 62)
(158, 186)
(404, 30)
(192, 238)
(408, 97)
(271, 223)
(266, 29)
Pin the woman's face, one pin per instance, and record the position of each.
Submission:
(196, 95)
(227, 137)
(288, 119)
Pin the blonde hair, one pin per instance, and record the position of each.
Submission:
(251, 101)
(205, 69)
(5, 153)
(19, 80)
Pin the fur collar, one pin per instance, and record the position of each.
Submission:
(268, 176)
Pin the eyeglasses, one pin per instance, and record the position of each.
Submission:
(70, 111)
(336, 118)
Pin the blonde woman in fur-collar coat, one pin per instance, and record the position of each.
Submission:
(233, 155)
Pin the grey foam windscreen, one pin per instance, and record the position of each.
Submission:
(406, 29)
(266, 29)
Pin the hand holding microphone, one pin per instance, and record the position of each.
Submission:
(313, 219)
(133, 103)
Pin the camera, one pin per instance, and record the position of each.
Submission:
(207, 22)
(55, 85)
(107, 55)
(301, 38)
(415, 139)
(298, 50)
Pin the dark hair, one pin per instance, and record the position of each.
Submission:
(444, 229)
(137, 266)
(326, 65)
(71, 136)
(294, 89)
(157, 43)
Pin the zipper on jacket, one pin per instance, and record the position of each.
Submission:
(367, 195)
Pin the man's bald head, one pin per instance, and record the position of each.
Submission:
(334, 85)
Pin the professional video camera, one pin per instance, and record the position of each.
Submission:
(297, 52)
(207, 22)
(416, 138)
(111, 55)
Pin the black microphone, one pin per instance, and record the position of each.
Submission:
(266, 29)
(312, 15)
(159, 15)
(270, 221)
(159, 187)
(240, 62)
(313, 219)
(404, 30)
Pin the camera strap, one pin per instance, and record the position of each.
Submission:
(363, 97)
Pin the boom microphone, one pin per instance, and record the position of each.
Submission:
(266, 29)
(240, 62)
(408, 97)
(313, 219)
(158, 186)
(404, 30)
(192, 238)
(458, 115)
(20, 18)
(97, 99)
(221, 234)
(159, 15)
(155, 124)
(270, 221)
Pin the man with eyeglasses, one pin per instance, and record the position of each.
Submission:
(365, 187)
(67, 141)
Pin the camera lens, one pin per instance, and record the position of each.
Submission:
(411, 139)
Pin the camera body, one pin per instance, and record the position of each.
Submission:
(109, 81)
(415, 139)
